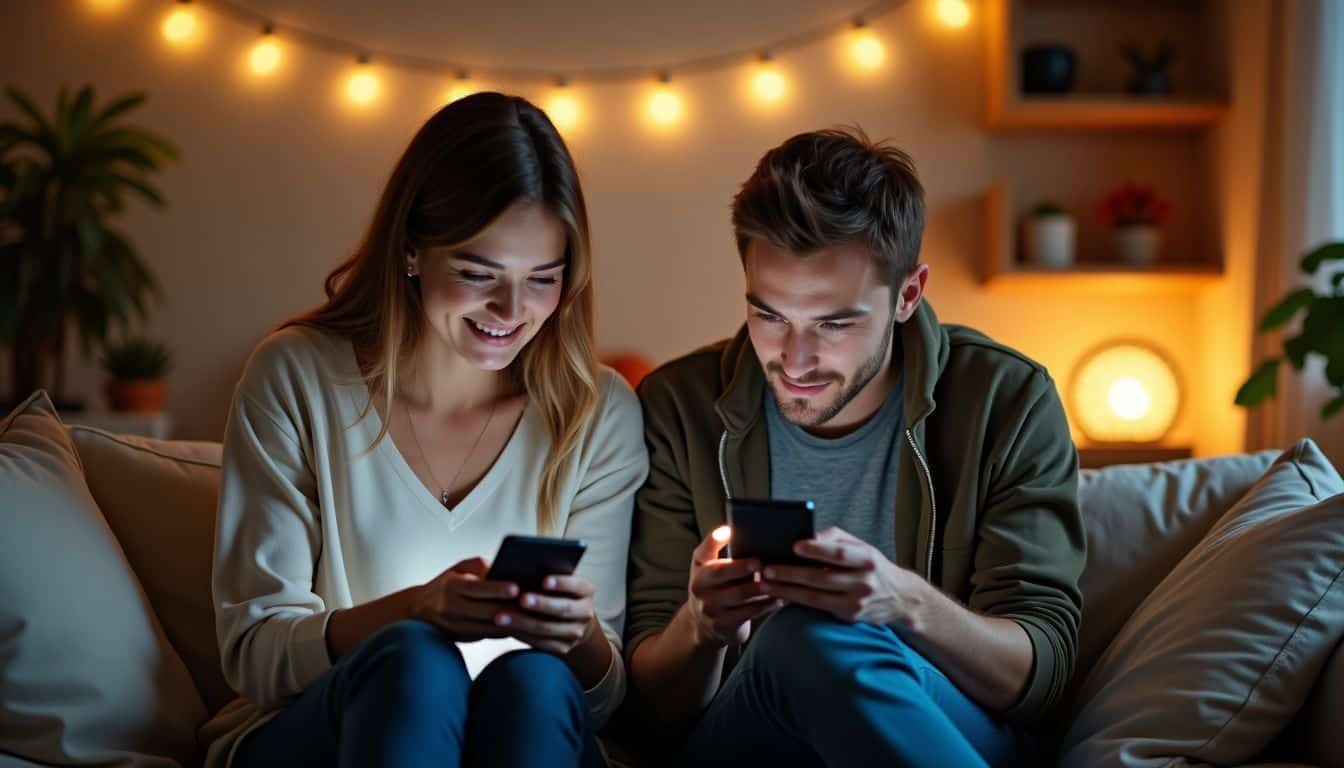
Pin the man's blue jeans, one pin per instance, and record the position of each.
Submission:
(403, 699)
(814, 691)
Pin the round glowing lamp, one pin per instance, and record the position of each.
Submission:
(1125, 392)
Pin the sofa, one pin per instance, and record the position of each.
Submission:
(108, 654)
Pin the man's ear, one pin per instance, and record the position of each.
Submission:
(911, 292)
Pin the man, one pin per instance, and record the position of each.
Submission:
(939, 614)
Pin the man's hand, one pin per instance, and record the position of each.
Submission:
(725, 595)
(852, 581)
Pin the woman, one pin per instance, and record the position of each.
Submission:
(381, 446)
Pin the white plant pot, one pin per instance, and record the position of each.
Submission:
(1049, 240)
(1137, 245)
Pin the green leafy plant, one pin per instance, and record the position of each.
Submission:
(1047, 208)
(1322, 332)
(137, 357)
(62, 179)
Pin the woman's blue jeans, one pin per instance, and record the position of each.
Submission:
(403, 699)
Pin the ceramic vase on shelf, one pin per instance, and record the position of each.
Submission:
(1138, 244)
(1048, 240)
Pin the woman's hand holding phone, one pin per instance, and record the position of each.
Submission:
(556, 619)
(463, 603)
(467, 606)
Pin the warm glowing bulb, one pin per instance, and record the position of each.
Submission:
(768, 83)
(1125, 392)
(1128, 398)
(563, 109)
(664, 106)
(866, 49)
(181, 26)
(106, 6)
(264, 59)
(722, 534)
(362, 87)
(954, 13)
(458, 90)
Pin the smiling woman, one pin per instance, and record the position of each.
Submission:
(347, 575)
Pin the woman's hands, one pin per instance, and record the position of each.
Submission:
(555, 620)
(462, 604)
(467, 607)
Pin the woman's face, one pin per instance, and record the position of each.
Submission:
(487, 298)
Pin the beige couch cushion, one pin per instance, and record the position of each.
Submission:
(86, 674)
(1140, 521)
(159, 498)
(1222, 654)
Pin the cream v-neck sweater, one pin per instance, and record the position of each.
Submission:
(311, 520)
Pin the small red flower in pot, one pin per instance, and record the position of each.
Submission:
(1135, 215)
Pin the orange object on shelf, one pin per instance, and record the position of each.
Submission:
(631, 365)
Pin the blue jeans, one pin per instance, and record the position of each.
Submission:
(403, 699)
(813, 691)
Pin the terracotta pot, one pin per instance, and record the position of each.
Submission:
(137, 395)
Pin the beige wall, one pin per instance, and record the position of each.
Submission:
(277, 181)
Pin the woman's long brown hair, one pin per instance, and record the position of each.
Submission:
(469, 163)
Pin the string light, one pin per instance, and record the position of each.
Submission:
(664, 106)
(264, 58)
(180, 26)
(865, 47)
(362, 85)
(105, 6)
(563, 107)
(953, 13)
(767, 82)
(460, 88)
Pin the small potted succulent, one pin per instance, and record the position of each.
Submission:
(1149, 76)
(1048, 235)
(136, 367)
(1135, 215)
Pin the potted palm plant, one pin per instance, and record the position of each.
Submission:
(63, 266)
(136, 367)
(1321, 333)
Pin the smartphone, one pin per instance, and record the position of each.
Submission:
(528, 560)
(767, 528)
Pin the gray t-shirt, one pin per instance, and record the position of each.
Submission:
(852, 479)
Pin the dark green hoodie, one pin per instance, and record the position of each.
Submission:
(987, 491)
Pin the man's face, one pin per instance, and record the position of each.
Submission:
(822, 325)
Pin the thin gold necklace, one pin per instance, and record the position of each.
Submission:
(443, 495)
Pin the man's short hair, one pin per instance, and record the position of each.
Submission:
(830, 187)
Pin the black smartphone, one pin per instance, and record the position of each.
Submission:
(767, 528)
(528, 560)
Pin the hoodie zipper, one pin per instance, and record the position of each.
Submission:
(928, 477)
(933, 504)
(723, 473)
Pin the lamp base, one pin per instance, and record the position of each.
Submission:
(1109, 454)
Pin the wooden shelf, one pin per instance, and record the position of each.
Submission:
(1007, 109)
(1000, 268)
(1101, 113)
(1097, 456)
